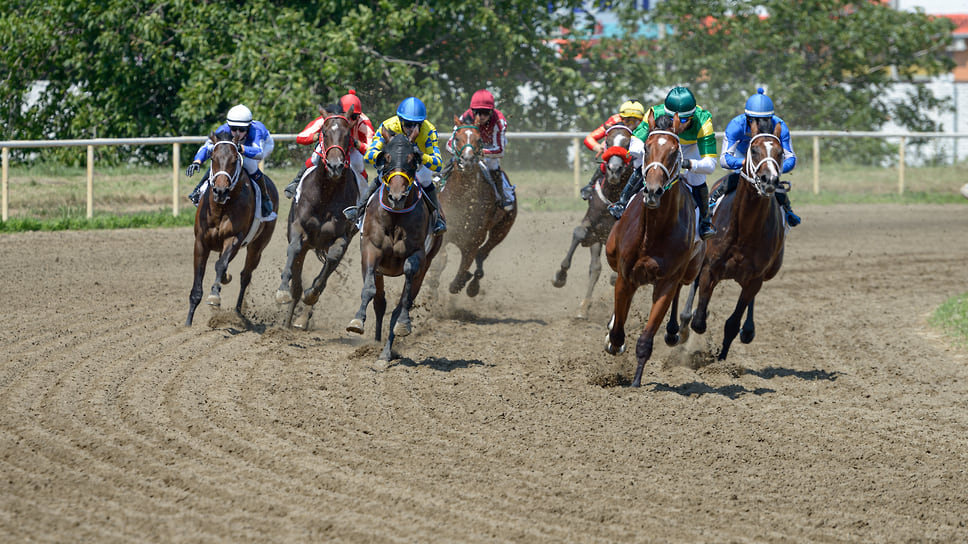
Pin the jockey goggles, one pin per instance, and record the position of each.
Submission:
(409, 125)
(482, 111)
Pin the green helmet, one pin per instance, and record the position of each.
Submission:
(680, 100)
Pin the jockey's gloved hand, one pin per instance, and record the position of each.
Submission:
(192, 168)
(686, 164)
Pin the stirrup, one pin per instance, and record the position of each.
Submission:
(195, 196)
(586, 192)
(352, 213)
(792, 218)
(706, 230)
(617, 210)
(290, 190)
(440, 226)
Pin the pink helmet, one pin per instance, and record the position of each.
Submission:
(482, 100)
(350, 100)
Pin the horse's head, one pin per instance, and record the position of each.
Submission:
(616, 160)
(336, 139)
(468, 146)
(764, 157)
(663, 157)
(226, 164)
(400, 162)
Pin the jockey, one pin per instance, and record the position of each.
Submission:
(361, 130)
(631, 115)
(698, 141)
(736, 141)
(256, 147)
(494, 128)
(411, 120)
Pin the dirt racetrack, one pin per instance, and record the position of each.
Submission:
(502, 420)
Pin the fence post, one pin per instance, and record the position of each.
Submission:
(3, 184)
(900, 168)
(816, 165)
(90, 181)
(575, 144)
(175, 162)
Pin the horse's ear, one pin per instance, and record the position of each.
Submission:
(456, 121)
(352, 110)
(778, 130)
(677, 127)
(651, 120)
(211, 137)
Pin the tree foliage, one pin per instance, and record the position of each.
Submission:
(130, 68)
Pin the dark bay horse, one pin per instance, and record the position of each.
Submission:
(225, 221)
(476, 224)
(316, 220)
(654, 242)
(396, 240)
(594, 228)
(750, 233)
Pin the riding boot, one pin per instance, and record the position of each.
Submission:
(353, 212)
(586, 191)
(633, 186)
(196, 195)
(431, 192)
(497, 176)
(784, 201)
(290, 189)
(700, 193)
(728, 185)
(260, 180)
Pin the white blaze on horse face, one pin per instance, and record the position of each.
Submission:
(769, 153)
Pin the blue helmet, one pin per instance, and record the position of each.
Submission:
(412, 109)
(759, 105)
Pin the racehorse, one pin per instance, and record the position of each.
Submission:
(594, 228)
(226, 221)
(396, 240)
(476, 223)
(654, 242)
(316, 219)
(750, 233)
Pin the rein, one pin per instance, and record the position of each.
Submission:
(405, 210)
(656, 164)
(749, 172)
(238, 167)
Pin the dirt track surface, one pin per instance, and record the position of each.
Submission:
(846, 419)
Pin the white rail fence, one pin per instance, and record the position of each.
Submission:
(575, 137)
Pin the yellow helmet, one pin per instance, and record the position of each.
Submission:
(632, 109)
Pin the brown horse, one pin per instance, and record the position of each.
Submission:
(476, 224)
(316, 220)
(226, 221)
(594, 228)
(750, 233)
(654, 242)
(396, 240)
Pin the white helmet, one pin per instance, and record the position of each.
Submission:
(239, 116)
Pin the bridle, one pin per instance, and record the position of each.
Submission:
(322, 141)
(234, 178)
(749, 172)
(476, 149)
(671, 175)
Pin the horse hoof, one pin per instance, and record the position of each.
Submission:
(672, 339)
(746, 337)
(583, 309)
(561, 277)
(473, 288)
(226, 278)
(283, 297)
(302, 322)
(213, 300)
(611, 349)
(355, 326)
(402, 329)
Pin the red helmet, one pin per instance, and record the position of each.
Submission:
(482, 100)
(350, 100)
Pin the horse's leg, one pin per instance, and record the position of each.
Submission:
(494, 237)
(284, 293)
(662, 296)
(333, 257)
(366, 295)
(463, 274)
(731, 328)
(748, 332)
(685, 316)
(705, 284)
(624, 291)
(221, 265)
(379, 305)
(594, 271)
(253, 256)
(195, 296)
(400, 320)
(295, 285)
(577, 237)
(672, 329)
(436, 269)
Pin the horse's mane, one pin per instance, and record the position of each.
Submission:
(223, 136)
(764, 125)
(332, 109)
(663, 122)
